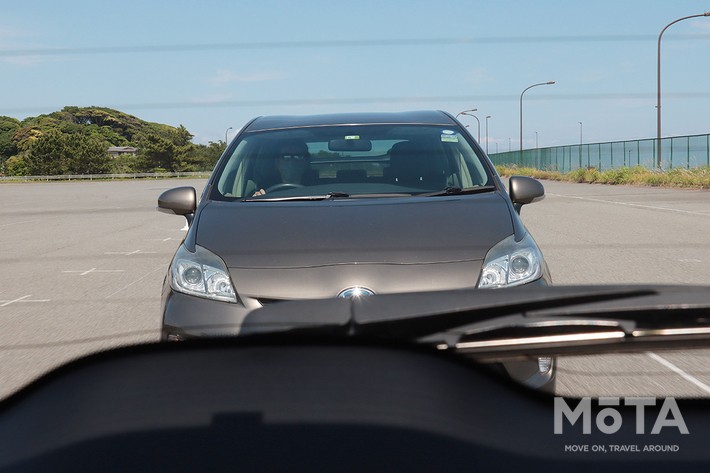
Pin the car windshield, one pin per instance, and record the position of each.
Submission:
(382, 160)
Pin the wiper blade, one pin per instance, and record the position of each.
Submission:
(508, 322)
(459, 191)
(329, 195)
(415, 315)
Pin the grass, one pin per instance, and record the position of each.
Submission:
(696, 178)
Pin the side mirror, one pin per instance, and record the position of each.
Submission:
(179, 201)
(525, 190)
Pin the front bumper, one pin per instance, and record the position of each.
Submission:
(186, 316)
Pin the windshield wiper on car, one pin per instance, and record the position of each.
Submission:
(459, 191)
(329, 195)
(486, 324)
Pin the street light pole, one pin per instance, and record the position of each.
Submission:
(487, 117)
(465, 112)
(478, 122)
(658, 91)
(521, 109)
(225, 135)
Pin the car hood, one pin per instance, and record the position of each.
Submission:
(355, 231)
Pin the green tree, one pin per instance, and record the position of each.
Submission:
(124, 164)
(8, 127)
(47, 155)
(155, 152)
(186, 158)
(89, 155)
(17, 166)
(56, 153)
(208, 155)
(170, 151)
(44, 145)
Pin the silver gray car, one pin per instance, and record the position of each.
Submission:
(345, 205)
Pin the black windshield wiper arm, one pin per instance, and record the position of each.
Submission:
(490, 323)
(459, 191)
(329, 195)
(416, 315)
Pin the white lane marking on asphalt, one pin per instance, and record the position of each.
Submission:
(129, 253)
(690, 260)
(137, 280)
(22, 299)
(94, 270)
(629, 204)
(680, 372)
(13, 301)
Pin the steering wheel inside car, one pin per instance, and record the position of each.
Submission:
(283, 186)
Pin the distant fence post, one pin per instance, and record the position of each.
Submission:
(654, 147)
(599, 156)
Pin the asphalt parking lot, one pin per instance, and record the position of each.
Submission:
(83, 264)
(598, 234)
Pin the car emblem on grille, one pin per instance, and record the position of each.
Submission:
(355, 292)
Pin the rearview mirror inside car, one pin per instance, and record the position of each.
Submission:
(350, 143)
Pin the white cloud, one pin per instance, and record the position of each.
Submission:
(10, 40)
(225, 76)
(477, 76)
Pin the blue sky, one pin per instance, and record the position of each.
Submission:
(211, 65)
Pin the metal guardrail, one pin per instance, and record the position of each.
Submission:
(680, 151)
(92, 177)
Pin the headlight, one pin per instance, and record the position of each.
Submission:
(544, 364)
(202, 274)
(511, 263)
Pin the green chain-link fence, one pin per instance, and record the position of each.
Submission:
(680, 151)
